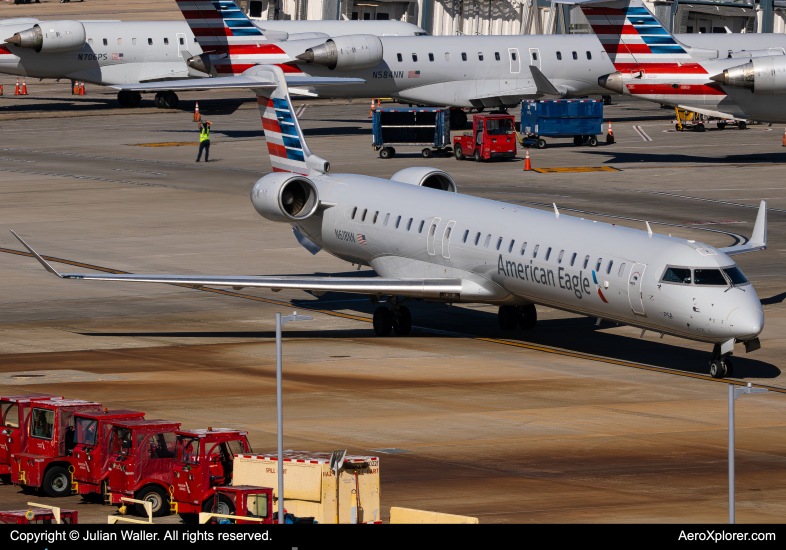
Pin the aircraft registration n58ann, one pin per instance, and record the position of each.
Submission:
(427, 241)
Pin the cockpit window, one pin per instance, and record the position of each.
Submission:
(677, 275)
(709, 277)
(735, 275)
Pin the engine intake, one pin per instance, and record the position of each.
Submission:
(432, 178)
(51, 37)
(285, 197)
(351, 52)
(762, 75)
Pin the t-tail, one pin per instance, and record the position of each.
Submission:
(286, 144)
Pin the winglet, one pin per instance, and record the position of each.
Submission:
(43, 262)
(759, 236)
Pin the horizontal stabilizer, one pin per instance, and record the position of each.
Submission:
(758, 238)
(230, 82)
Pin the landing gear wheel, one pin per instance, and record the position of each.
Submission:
(134, 99)
(508, 317)
(729, 368)
(158, 100)
(528, 316)
(593, 141)
(385, 153)
(476, 156)
(541, 143)
(700, 127)
(426, 153)
(57, 482)
(716, 369)
(741, 125)
(458, 153)
(402, 323)
(122, 98)
(383, 321)
(157, 497)
(606, 99)
(721, 125)
(578, 140)
(170, 100)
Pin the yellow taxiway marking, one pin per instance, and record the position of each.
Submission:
(164, 144)
(534, 347)
(574, 169)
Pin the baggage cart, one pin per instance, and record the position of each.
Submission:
(580, 119)
(428, 128)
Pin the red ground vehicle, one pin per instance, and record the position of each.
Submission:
(41, 516)
(493, 136)
(90, 454)
(141, 455)
(246, 501)
(45, 461)
(14, 416)
(203, 463)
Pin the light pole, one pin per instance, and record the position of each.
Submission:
(734, 393)
(280, 322)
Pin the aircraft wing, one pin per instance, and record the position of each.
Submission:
(413, 288)
(229, 82)
(543, 84)
(758, 238)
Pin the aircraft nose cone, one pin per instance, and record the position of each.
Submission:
(746, 322)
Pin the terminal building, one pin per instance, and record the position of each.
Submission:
(455, 17)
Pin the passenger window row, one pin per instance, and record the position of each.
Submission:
(181, 40)
(497, 57)
(375, 218)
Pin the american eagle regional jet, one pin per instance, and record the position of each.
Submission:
(427, 241)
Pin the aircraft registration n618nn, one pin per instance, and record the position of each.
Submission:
(427, 241)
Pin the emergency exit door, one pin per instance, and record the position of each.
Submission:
(635, 289)
(534, 57)
(515, 62)
(430, 236)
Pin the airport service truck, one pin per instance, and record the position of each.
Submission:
(44, 461)
(38, 516)
(493, 136)
(141, 456)
(15, 415)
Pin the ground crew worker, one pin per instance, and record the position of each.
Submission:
(204, 140)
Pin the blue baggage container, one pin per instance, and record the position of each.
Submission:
(411, 127)
(581, 119)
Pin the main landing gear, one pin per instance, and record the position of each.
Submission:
(524, 316)
(166, 100)
(720, 364)
(398, 319)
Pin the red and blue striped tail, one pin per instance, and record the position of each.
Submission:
(219, 23)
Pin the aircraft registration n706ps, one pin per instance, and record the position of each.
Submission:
(427, 241)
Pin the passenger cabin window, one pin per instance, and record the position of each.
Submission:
(534, 56)
(477, 238)
(589, 55)
(466, 234)
(480, 56)
(149, 41)
(363, 215)
(709, 277)
(735, 275)
(182, 41)
(535, 251)
(447, 56)
(510, 248)
(559, 56)
(414, 57)
(463, 56)
(488, 239)
(548, 253)
(573, 259)
(559, 258)
(119, 41)
(523, 247)
(376, 215)
(409, 224)
(514, 56)
(90, 41)
(385, 223)
(354, 211)
(431, 57)
(420, 227)
(432, 229)
(133, 42)
(399, 57)
(586, 262)
(608, 269)
(622, 268)
(106, 42)
(496, 56)
(575, 56)
(398, 221)
(499, 243)
(597, 266)
(166, 41)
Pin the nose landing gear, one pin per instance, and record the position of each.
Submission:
(398, 320)
(721, 365)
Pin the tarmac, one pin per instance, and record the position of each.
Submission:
(569, 422)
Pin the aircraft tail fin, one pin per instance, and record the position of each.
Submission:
(217, 24)
(286, 144)
(631, 35)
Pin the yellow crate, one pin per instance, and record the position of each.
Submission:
(310, 486)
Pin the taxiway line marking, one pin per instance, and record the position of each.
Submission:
(534, 347)
(642, 133)
(575, 169)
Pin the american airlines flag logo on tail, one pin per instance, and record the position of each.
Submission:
(283, 141)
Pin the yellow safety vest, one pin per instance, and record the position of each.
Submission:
(204, 134)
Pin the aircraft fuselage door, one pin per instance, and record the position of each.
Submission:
(181, 43)
(634, 288)
(432, 231)
(446, 238)
(534, 57)
(515, 62)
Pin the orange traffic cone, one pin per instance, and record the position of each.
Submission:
(610, 135)
(1, 89)
(784, 133)
(24, 86)
(371, 111)
(81, 88)
(17, 87)
(75, 91)
(527, 164)
(197, 115)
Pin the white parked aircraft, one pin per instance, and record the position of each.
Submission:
(724, 75)
(118, 52)
(427, 241)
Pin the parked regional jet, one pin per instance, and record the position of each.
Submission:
(703, 73)
(427, 241)
(118, 52)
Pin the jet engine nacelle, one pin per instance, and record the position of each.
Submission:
(51, 37)
(426, 177)
(762, 75)
(346, 53)
(285, 197)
